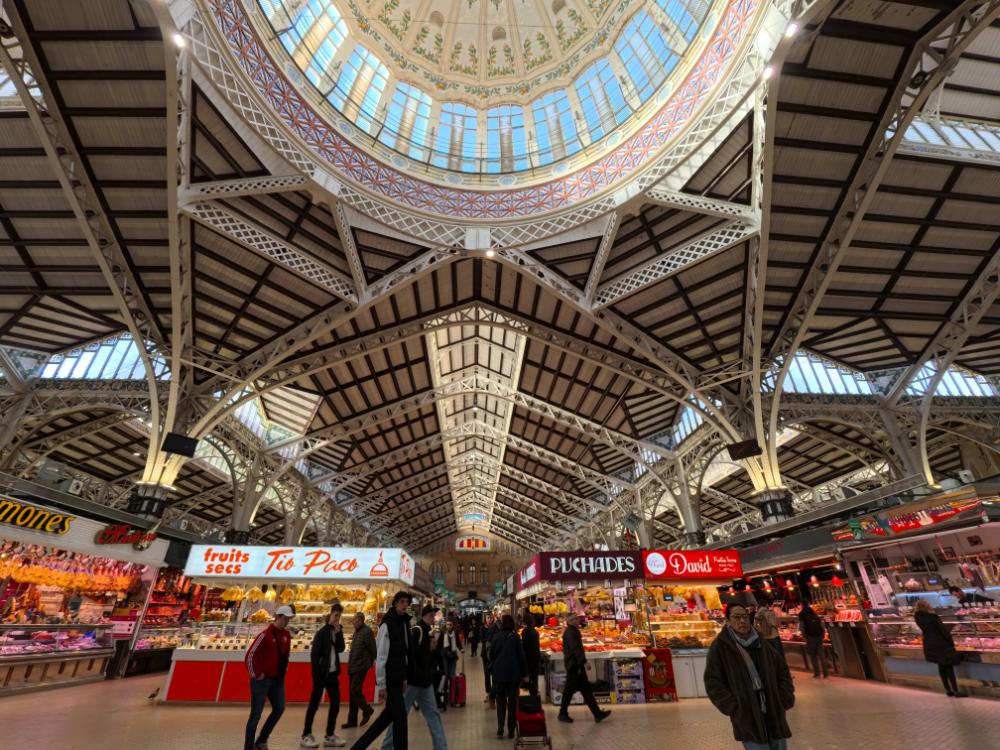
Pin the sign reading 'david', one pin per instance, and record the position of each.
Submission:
(472, 543)
(300, 563)
(692, 565)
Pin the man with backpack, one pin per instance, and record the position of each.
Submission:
(420, 686)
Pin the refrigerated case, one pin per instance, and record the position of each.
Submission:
(38, 656)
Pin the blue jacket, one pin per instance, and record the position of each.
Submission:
(508, 663)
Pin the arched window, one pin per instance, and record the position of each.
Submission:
(645, 55)
(601, 98)
(554, 127)
(686, 15)
(506, 570)
(455, 145)
(484, 575)
(461, 575)
(506, 147)
(359, 87)
(438, 569)
(406, 127)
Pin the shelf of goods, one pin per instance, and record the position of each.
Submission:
(207, 663)
(606, 647)
(39, 656)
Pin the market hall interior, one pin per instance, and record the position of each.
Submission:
(657, 341)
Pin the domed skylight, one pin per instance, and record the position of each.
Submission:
(486, 86)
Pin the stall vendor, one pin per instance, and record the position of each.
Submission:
(966, 599)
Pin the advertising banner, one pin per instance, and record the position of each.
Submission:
(909, 518)
(658, 671)
(692, 565)
(300, 563)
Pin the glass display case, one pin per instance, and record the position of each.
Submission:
(36, 656)
(683, 631)
(900, 637)
(218, 636)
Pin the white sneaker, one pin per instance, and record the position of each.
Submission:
(332, 740)
(309, 741)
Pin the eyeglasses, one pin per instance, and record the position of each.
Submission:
(739, 617)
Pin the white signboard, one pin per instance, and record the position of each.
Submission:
(300, 563)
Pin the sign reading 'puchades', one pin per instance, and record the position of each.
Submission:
(300, 563)
(692, 565)
(586, 564)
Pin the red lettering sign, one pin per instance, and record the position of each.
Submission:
(122, 533)
(692, 565)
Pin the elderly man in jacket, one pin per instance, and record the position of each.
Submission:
(747, 681)
(575, 659)
(363, 653)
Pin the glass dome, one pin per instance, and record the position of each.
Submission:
(488, 87)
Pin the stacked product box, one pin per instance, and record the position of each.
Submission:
(627, 681)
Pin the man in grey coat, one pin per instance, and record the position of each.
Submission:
(362, 657)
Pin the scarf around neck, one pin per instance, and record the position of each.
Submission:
(741, 645)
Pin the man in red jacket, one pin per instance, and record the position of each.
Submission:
(267, 662)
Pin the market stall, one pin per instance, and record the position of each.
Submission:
(71, 591)
(684, 612)
(918, 551)
(805, 568)
(600, 586)
(254, 581)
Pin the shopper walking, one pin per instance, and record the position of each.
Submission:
(748, 682)
(939, 647)
(509, 667)
(813, 630)
(487, 631)
(473, 633)
(363, 653)
(391, 668)
(765, 622)
(327, 646)
(448, 648)
(575, 659)
(532, 652)
(267, 662)
(420, 684)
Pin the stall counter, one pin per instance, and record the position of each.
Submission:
(206, 676)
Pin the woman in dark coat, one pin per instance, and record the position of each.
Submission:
(509, 667)
(532, 651)
(748, 682)
(939, 646)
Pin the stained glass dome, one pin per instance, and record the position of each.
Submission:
(488, 87)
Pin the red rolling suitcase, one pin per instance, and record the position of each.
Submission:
(457, 688)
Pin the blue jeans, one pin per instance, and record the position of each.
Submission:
(772, 745)
(424, 698)
(272, 689)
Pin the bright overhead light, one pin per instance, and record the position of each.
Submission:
(178, 39)
(791, 30)
(768, 72)
(490, 253)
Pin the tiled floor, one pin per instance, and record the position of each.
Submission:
(829, 715)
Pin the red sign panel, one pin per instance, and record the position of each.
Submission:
(658, 670)
(914, 517)
(692, 565)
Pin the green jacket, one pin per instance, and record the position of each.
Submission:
(363, 651)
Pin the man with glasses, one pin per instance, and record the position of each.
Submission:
(747, 681)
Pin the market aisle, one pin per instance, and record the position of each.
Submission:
(831, 715)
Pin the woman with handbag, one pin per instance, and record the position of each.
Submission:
(939, 646)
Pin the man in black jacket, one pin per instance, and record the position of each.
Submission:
(327, 646)
(532, 652)
(747, 681)
(575, 659)
(391, 667)
(420, 687)
(363, 654)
